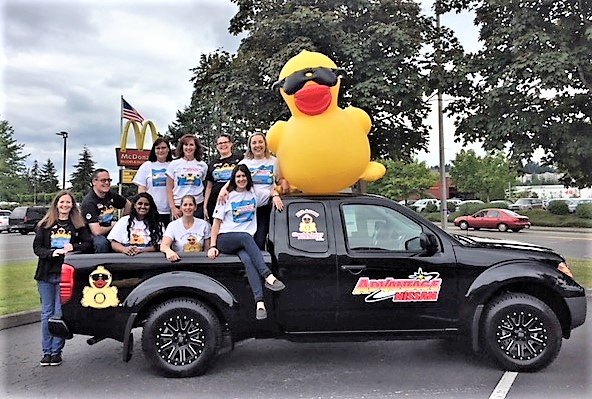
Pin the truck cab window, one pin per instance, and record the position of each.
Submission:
(373, 227)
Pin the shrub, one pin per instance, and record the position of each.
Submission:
(431, 208)
(558, 208)
(451, 206)
(470, 208)
(584, 211)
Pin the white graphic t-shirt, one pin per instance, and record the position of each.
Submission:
(139, 236)
(152, 175)
(191, 239)
(263, 171)
(188, 178)
(238, 212)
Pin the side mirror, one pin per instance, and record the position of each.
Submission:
(429, 243)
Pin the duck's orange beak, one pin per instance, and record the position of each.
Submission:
(313, 99)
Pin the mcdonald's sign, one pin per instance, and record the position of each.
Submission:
(134, 157)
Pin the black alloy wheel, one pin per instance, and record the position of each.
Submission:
(181, 337)
(521, 332)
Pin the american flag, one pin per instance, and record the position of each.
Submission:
(130, 113)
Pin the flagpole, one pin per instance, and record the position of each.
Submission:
(120, 133)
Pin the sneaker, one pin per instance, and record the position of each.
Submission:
(276, 286)
(45, 360)
(261, 314)
(56, 360)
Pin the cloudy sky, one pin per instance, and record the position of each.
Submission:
(65, 65)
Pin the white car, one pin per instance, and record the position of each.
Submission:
(4, 224)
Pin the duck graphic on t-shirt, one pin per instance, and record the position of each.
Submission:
(192, 244)
(159, 177)
(60, 238)
(243, 211)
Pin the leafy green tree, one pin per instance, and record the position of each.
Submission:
(13, 172)
(380, 44)
(81, 178)
(487, 176)
(49, 178)
(403, 180)
(529, 87)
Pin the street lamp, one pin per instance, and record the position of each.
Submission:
(65, 136)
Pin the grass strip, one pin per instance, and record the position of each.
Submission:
(18, 289)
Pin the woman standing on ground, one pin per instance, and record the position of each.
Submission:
(140, 231)
(186, 234)
(233, 229)
(61, 230)
(186, 175)
(151, 177)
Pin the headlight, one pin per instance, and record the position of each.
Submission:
(563, 267)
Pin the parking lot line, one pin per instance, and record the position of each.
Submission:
(503, 386)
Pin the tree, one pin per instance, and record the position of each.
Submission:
(529, 87)
(403, 180)
(378, 43)
(487, 176)
(13, 172)
(81, 178)
(49, 178)
(34, 179)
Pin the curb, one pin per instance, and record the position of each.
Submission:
(19, 319)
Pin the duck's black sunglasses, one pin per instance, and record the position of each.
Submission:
(296, 81)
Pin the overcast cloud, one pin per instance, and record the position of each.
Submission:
(65, 65)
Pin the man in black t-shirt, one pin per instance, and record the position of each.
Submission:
(219, 171)
(98, 209)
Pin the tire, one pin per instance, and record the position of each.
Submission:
(502, 227)
(516, 230)
(521, 333)
(23, 232)
(181, 338)
(463, 225)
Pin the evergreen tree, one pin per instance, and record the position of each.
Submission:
(13, 172)
(34, 179)
(81, 179)
(49, 178)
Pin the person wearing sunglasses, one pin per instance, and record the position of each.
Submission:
(140, 231)
(99, 209)
(219, 171)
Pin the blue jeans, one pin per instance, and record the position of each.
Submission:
(101, 244)
(243, 245)
(49, 292)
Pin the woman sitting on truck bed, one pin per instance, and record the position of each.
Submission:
(140, 231)
(186, 234)
(233, 229)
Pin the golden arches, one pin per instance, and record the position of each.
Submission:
(139, 133)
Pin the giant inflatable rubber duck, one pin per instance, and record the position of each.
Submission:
(322, 148)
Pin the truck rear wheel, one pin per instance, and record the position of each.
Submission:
(181, 338)
(521, 332)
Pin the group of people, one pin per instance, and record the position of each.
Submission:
(182, 206)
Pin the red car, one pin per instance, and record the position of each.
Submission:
(500, 219)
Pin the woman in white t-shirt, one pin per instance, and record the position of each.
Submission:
(266, 174)
(151, 177)
(186, 175)
(140, 231)
(186, 234)
(233, 229)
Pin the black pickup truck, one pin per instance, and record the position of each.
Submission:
(356, 267)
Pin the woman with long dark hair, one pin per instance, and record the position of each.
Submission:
(140, 231)
(235, 224)
(151, 177)
(61, 230)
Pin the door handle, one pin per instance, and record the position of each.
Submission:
(354, 269)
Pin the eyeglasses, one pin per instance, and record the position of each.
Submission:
(223, 142)
(297, 80)
(105, 180)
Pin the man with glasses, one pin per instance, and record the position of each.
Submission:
(98, 209)
(219, 171)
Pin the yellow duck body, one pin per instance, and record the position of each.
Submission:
(322, 148)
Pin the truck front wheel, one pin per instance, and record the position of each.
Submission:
(181, 337)
(521, 332)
